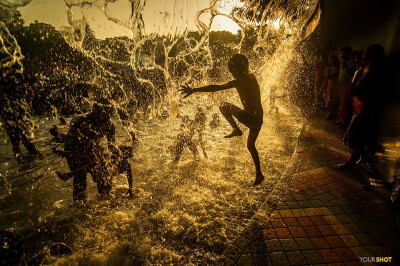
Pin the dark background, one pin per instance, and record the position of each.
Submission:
(357, 23)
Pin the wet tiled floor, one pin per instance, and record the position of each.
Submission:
(322, 216)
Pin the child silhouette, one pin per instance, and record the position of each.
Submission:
(251, 116)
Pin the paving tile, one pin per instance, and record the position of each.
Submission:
(269, 234)
(292, 205)
(331, 219)
(296, 258)
(335, 242)
(258, 247)
(323, 211)
(329, 255)
(312, 257)
(298, 212)
(241, 242)
(350, 240)
(245, 260)
(259, 236)
(289, 198)
(275, 214)
(274, 245)
(361, 252)
(224, 261)
(318, 220)
(305, 204)
(354, 228)
(261, 259)
(279, 258)
(336, 210)
(304, 243)
(249, 233)
(283, 233)
(299, 196)
(305, 221)
(311, 211)
(344, 219)
(340, 229)
(232, 253)
(291, 222)
(247, 250)
(282, 206)
(289, 244)
(297, 232)
(326, 230)
(345, 254)
(312, 231)
(320, 242)
(286, 213)
(277, 223)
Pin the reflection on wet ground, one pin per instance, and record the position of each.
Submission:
(183, 212)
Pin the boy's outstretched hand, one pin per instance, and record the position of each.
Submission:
(186, 90)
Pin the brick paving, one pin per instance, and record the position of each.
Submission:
(318, 215)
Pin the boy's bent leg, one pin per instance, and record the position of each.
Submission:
(229, 110)
(251, 146)
(179, 148)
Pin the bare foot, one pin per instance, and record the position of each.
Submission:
(236, 132)
(259, 179)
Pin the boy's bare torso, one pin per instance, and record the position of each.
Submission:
(249, 93)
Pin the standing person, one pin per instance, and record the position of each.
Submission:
(330, 84)
(14, 122)
(251, 116)
(320, 66)
(84, 153)
(369, 95)
(346, 73)
(346, 106)
(189, 128)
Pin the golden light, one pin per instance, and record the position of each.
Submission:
(276, 23)
(221, 23)
(226, 6)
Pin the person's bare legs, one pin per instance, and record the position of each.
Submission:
(228, 111)
(251, 146)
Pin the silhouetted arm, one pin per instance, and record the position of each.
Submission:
(210, 88)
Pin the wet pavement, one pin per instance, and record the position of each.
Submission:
(318, 215)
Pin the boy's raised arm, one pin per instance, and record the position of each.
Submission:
(187, 90)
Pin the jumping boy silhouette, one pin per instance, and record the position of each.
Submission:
(251, 116)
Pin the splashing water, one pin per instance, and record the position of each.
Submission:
(184, 213)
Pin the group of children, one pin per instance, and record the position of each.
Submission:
(84, 153)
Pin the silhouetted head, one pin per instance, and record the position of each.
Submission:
(345, 53)
(374, 54)
(54, 131)
(333, 60)
(238, 65)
